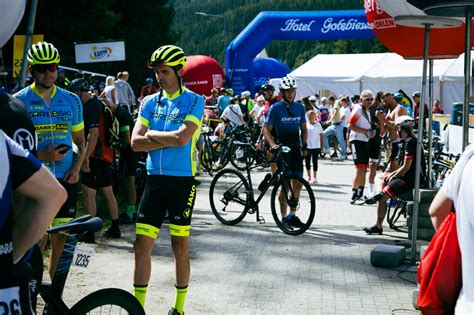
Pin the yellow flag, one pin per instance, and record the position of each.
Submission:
(18, 48)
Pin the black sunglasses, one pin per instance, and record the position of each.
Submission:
(370, 99)
(52, 67)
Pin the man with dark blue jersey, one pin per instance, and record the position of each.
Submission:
(168, 128)
(22, 227)
(57, 116)
(286, 125)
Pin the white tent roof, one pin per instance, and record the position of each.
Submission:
(349, 74)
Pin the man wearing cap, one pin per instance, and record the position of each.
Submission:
(256, 113)
(224, 100)
(148, 88)
(62, 80)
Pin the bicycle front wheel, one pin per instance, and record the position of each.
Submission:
(228, 196)
(108, 301)
(293, 212)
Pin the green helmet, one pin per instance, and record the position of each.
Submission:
(42, 53)
(168, 55)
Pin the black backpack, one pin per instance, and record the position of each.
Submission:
(112, 127)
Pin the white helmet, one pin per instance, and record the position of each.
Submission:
(287, 83)
(405, 121)
(245, 93)
(312, 98)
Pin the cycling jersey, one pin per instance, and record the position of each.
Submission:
(286, 121)
(55, 123)
(168, 115)
(18, 165)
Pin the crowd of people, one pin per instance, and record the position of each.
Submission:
(69, 133)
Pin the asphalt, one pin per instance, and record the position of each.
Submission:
(254, 268)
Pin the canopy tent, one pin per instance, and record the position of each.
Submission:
(349, 74)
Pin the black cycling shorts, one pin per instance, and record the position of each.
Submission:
(398, 186)
(374, 148)
(294, 160)
(163, 194)
(68, 209)
(99, 176)
(360, 153)
(128, 162)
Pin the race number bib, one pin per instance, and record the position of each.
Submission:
(239, 153)
(82, 255)
(10, 301)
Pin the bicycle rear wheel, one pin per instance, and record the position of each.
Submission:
(303, 207)
(228, 196)
(241, 156)
(108, 301)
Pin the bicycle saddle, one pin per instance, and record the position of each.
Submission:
(84, 223)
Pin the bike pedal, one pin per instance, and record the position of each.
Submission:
(251, 211)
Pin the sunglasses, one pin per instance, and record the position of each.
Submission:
(52, 67)
(370, 99)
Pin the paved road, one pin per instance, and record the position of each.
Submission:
(254, 268)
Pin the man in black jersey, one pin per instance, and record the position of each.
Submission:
(402, 179)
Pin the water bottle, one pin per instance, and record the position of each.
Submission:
(264, 182)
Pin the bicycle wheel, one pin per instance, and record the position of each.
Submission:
(240, 156)
(302, 208)
(395, 211)
(206, 158)
(220, 155)
(228, 196)
(108, 301)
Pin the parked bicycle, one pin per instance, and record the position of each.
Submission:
(103, 301)
(232, 196)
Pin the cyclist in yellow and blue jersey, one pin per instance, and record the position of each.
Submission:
(168, 128)
(57, 117)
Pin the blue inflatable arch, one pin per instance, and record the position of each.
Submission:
(283, 25)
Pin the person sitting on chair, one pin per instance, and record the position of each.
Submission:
(400, 181)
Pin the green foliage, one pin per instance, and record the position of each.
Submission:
(205, 35)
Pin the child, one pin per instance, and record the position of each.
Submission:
(315, 138)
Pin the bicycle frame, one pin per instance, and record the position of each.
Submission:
(278, 175)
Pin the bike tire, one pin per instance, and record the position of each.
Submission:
(247, 159)
(109, 298)
(220, 155)
(206, 158)
(306, 214)
(228, 196)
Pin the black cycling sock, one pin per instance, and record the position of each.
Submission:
(360, 191)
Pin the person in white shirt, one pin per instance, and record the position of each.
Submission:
(233, 115)
(315, 139)
(361, 131)
(457, 191)
(256, 112)
(109, 90)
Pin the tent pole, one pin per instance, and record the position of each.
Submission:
(430, 122)
(416, 193)
(467, 79)
(28, 39)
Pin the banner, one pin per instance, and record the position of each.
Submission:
(99, 52)
(18, 48)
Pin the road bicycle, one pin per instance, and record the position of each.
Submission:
(103, 301)
(232, 196)
(218, 153)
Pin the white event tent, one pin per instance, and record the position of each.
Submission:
(349, 74)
